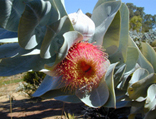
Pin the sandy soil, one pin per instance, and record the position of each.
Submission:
(22, 106)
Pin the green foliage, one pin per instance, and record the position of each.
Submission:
(153, 44)
(134, 10)
(89, 14)
(136, 23)
(69, 116)
(1, 44)
(34, 78)
(4, 82)
(148, 20)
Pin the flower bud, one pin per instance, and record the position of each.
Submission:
(83, 24)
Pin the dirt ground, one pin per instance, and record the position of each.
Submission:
(18, 105)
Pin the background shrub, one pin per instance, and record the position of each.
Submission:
(34, 78)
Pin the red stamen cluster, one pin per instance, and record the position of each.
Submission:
(83, 67)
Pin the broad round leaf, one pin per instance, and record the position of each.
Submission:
(150, 103)
(29, 29)
(106, 13)
(101, 2)
(53, 39)
(11, 50)
(95, 98)
(142, 61)
(121, 53)
(9, 40)
(132, 58)
(69, 98)
(56, 93)
(139, 74)
(14, 50)
(123, 104)
(69, 39)
(16, 65)
(136, 107)
(150, 114)
(139, 89)
(111, 37)
(49, 83)
(149, 53)
(59, 6)
(110, 83)
(119, 71)
(11, 11)
(124, 80)
(6, 35)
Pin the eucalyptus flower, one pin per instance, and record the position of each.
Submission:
(84, 66)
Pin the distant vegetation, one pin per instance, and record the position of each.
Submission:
(139, 20)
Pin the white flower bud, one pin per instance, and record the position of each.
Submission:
(83, 24)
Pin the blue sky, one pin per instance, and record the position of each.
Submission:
(88, 5)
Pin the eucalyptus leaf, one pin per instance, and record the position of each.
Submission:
(139, 89)
(121, 95)
(132, 58)
(112, 36)
(110, 83)
(139, 74)
(142, 61)
(5, 34)
(121, 53)
(126, 78)
(16, 65)
(63, 3)
(69, 98)
(53, 39)
(95, 98)
(101, 2)
(150, 103)
(106, 13)
(49, 83)
(150, 115)
(34, 13)
(124, 29)
(123, 104)
(137, 107)
(55, 93)
(11, 11)
(9, 40)
(119, 71)
(69, 39)
(149, 53)
(11, 50)
(59, 6)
